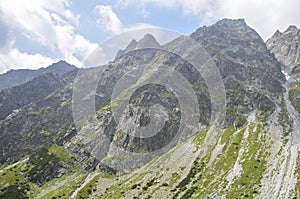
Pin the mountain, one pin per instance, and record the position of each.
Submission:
(18, 77)
(59, 148)
(148, 41)
(245, 64)
(285, 47)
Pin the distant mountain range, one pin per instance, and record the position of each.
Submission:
(18, 77)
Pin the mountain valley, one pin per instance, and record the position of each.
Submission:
(239, 140)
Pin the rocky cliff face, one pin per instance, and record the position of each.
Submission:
(246, 66)
(252, 155)
(31, 115)
(285, 47)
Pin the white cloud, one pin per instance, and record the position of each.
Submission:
(111, 23)
(108, 19)
(188, 7)
(265, 16)
(144, 12)
(14, 59)
(50, 24)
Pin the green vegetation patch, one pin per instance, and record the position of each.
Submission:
(199, 138)
(13, 181)
(14, 175)
(118, 190)
(285, 120)
(89, 188)
(14, 191)
(253, 164)
(107, 107)
(60, 152)
(204, 179)
(297, 172)
(294, 95)
(230, 152)
(66, 189)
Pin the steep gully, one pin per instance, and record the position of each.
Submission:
(280, 174)
(289, 178)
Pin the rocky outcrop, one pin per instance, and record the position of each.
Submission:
(247, 68)
(286, 48)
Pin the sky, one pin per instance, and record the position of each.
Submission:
(37, 33)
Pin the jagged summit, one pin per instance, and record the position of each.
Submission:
(132, 45)
(232, 21)
(228, 32)
(292, 28)
(148, 41)
(286, 47)
(277, 34)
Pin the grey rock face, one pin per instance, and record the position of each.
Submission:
(286, 48)
(122, 141)
(32, 91)
(247, 68)
(32, 115)
(252, 78)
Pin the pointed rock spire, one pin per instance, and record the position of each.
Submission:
(148, 41)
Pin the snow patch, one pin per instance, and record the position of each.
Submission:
(287, 76)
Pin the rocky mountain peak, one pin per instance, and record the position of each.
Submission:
(228, 33)
(148, 41)
(243, 60)
(277, 34)
(132, 45)
(285, 47)
(232, 22)
(60, 67)
(292, 28)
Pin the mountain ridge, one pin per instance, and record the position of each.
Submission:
(21, 76)
(253, 155)
(285, 47)
(148, 41)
